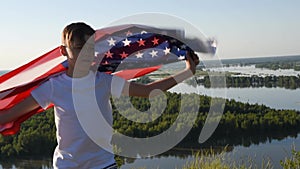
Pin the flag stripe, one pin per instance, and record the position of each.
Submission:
(128, 51)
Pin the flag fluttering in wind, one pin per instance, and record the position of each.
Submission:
(128, 51)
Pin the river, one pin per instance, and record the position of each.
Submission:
(273, 150)
(252, 70)
(278, 98)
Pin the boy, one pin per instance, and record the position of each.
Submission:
(75, 149)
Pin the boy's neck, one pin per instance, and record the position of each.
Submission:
(77, 74)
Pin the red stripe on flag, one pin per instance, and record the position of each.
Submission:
(50, 55)
(134, 73)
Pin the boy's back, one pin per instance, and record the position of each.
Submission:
(74, 145)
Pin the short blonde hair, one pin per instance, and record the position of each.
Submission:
(76, 34)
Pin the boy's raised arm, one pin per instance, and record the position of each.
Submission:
(142, 90)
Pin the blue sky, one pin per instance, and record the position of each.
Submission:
(243, 28)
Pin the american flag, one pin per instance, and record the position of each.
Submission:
(128, 51)
(141, 47)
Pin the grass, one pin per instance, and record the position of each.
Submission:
(220, 161)
(292, 162)
(212, 160)
(207, 161)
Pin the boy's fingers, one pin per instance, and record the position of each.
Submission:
(194, 57)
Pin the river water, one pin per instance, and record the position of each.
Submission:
(278, 98)
(252, 70)
(258, 154)
(273, 150)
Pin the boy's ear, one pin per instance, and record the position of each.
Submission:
(63, 50)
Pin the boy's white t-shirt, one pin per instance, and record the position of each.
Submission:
(75, 149)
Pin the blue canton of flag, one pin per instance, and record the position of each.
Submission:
(136, 48)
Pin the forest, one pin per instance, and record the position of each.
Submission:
(241, 124)
(280, 65)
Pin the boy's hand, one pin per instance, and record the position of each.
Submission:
(192, 61)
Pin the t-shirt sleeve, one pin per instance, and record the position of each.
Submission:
(43, 94)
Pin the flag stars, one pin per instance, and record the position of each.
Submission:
(181, 57)
(141, 42)
(108, 54)
(111, 42)
(139, 55)
(167, 51)
(126, 42)
(153, 53)
(123, 55)
(128, 33)
(155, 41)
(183, 46)
(143, 32)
